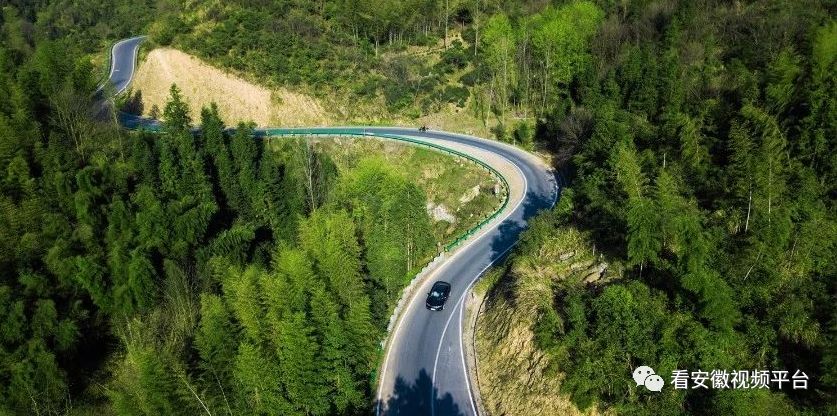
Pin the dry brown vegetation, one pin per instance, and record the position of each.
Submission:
(238, 99)
(242, 100)
(526, 385)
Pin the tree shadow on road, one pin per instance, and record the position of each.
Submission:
(510, 230)
(414, 399)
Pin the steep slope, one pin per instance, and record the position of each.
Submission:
(237, 98)
(527, 382)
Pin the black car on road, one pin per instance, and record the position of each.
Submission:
(437, 296)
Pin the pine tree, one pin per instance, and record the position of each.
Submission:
(644, 237)
(693, 151)
(628, 171)
(176, 114)
(297, 351)
(291, 280)
(245, 156)
(242, 294)
(141, 280)
(740, 172)
(770, 162)
(259, 382)
(334, 367)
(216, 343)
(275, 203)
(361, 335)
(330, 240)
(218, 151)
(145, 385)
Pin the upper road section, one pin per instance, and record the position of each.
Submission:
(123, 59)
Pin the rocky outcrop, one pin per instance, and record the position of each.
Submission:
(440, 213)
(470, 195)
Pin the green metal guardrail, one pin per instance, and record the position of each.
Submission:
(360, 132)
(332, 131)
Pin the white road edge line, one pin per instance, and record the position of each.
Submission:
(462, 354)
(465, 292)
(446, 263)
(397, 329)
(113, 64)
(447, 324)
(461, 306)
(133, 65)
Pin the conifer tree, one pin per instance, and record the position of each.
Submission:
(297, 353)
(218, 151)
(333, 357)
(242, 294)
(330, 240)
(259, 382)
(644, 241)
(215, 340)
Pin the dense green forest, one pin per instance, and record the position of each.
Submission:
(698, 141)
(162, 274)
(697, 138)
(414, 57)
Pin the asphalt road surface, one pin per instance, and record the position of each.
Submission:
(423, 372)
(123, 57)
(425, 362)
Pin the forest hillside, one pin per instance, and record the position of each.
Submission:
(176, 273)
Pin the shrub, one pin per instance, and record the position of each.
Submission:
(523, 134)
(499, 132)
(455, 94)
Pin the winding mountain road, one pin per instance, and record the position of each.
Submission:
(123, 59)
(424, 368)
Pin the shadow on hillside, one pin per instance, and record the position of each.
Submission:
(135, 122)
(133, 103)
(414, 399)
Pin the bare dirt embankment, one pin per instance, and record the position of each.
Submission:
(241, 100)
(237, 99)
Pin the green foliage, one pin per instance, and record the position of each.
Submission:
(498, 45)
(698, 140)
(393, 222)
(258, 381)
(352, 47)
(559, 38)
(146, 268)
(704, 173)
(298, 351)
(215, 338)
(824, 51)
(456, 95)
(523, 135)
